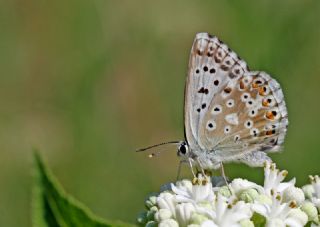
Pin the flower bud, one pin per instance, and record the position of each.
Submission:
(224, 191)
(162, 214)
(308, 191)
(142, 218)
(168, 223)
(310, 210)
(197, 218)
(151, 213)
(151, 201)
(264, 199)
(151, 224)
(238, 185)
(249, 195)
(184, 212)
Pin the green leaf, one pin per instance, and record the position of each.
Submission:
(258, 220)
(52, 206)
(309, 223)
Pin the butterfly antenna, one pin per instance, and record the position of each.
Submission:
(157, 145)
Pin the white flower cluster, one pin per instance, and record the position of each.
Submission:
(242, 203)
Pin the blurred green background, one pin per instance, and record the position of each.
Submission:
(89, 81)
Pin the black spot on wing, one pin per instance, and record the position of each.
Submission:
(203, 90)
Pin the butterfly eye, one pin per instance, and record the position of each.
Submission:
(183, 149)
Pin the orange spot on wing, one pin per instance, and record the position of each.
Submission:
(254, 85)
(265, 103)
(268, 133)
(269, 115)
(261, 91)
(241, 85)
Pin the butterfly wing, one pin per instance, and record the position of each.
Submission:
(256, 122)
(207, 77)
(231, 113)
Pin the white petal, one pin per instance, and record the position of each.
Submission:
(208, 223)
(291, 222)
(260, 209)
(299, 216)
(276, 222)
(179, 190)
(284, 186)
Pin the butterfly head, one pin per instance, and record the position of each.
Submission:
(183, 149)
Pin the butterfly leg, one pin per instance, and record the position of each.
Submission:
(179, 168)
(191, 167)
(224, 177)
(202, 170)
(223, 173)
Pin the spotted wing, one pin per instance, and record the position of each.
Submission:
(236, 115)
(212, 66)
(253, 119)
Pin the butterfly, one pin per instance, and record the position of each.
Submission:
(231, 114)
